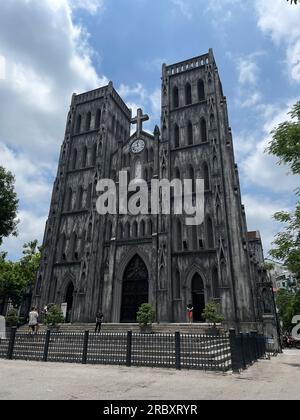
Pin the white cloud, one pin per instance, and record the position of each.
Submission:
(281, 21)
(47, 58)
(260, 212)
(139, 97)
(184, 7)
(92, 6)
(31, 227)
(248, 71)
(252, 99)
(258, 167)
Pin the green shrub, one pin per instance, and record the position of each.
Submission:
(54, 316)
(146, 314)
(212, 314)
(12, 318)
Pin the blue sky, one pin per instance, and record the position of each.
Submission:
(65, 46)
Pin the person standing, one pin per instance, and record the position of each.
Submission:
(190, 310)
(99, 320)
(33, 321)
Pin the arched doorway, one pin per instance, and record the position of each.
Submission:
(69, 301)
(198, 297)
(135, 289)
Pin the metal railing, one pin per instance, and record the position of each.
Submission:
(181, 351)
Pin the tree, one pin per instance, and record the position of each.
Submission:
(288, 304)
(54, 316)
(15, 277)
(287, 242)
(145, 314)
(8, 205)
(211, 313)
(285, 144)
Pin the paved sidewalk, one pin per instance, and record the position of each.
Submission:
(275, 379)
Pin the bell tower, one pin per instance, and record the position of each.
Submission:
(209, 261)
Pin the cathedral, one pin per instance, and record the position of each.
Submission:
(117, 262)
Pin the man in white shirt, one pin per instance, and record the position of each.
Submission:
(33, 320)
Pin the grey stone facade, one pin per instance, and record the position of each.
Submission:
(93, 261)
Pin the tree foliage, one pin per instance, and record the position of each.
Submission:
(288, 304)
(145, 314)
(212, 313)
(8, 204)
(15, 277)
(54, 316)
(285, 144)
(287, 243)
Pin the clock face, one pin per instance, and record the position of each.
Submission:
(138, 146)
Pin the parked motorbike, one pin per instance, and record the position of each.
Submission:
(290, 342)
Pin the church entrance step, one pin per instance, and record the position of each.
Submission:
(123, 328)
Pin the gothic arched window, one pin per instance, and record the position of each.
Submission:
(74, 159)
(150, 228)
(215, 283)
(223, 273)
(146, 156)
(89, 196)
(120, 231)
(84, 157)
(63, 243)
(78, 124)
(69, 199)
(177, 285)
(88, 121)
(73, 247)
(79, 198)
(179, 235)
(176, 136)
(127, 231)
(151, 154)
(194, 237)
(191, 175)
(210, 233)
(215, 164)
(109, 231)
(201, 90)
(98, 119)
(142, 228)
(190, 134)
(175, 97)
(219, 213)
(134, 230)
(206, 177)
(203, 131)
(188, 94)
(94, 154)
(177, 173)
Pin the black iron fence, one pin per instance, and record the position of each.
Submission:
(181, 351)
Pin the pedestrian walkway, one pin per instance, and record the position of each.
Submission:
(266, 380)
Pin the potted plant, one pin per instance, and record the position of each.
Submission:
(145, 317)
(212, 314)
(12, 318)
(54, 317)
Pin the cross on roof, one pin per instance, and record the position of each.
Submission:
(139, 119)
